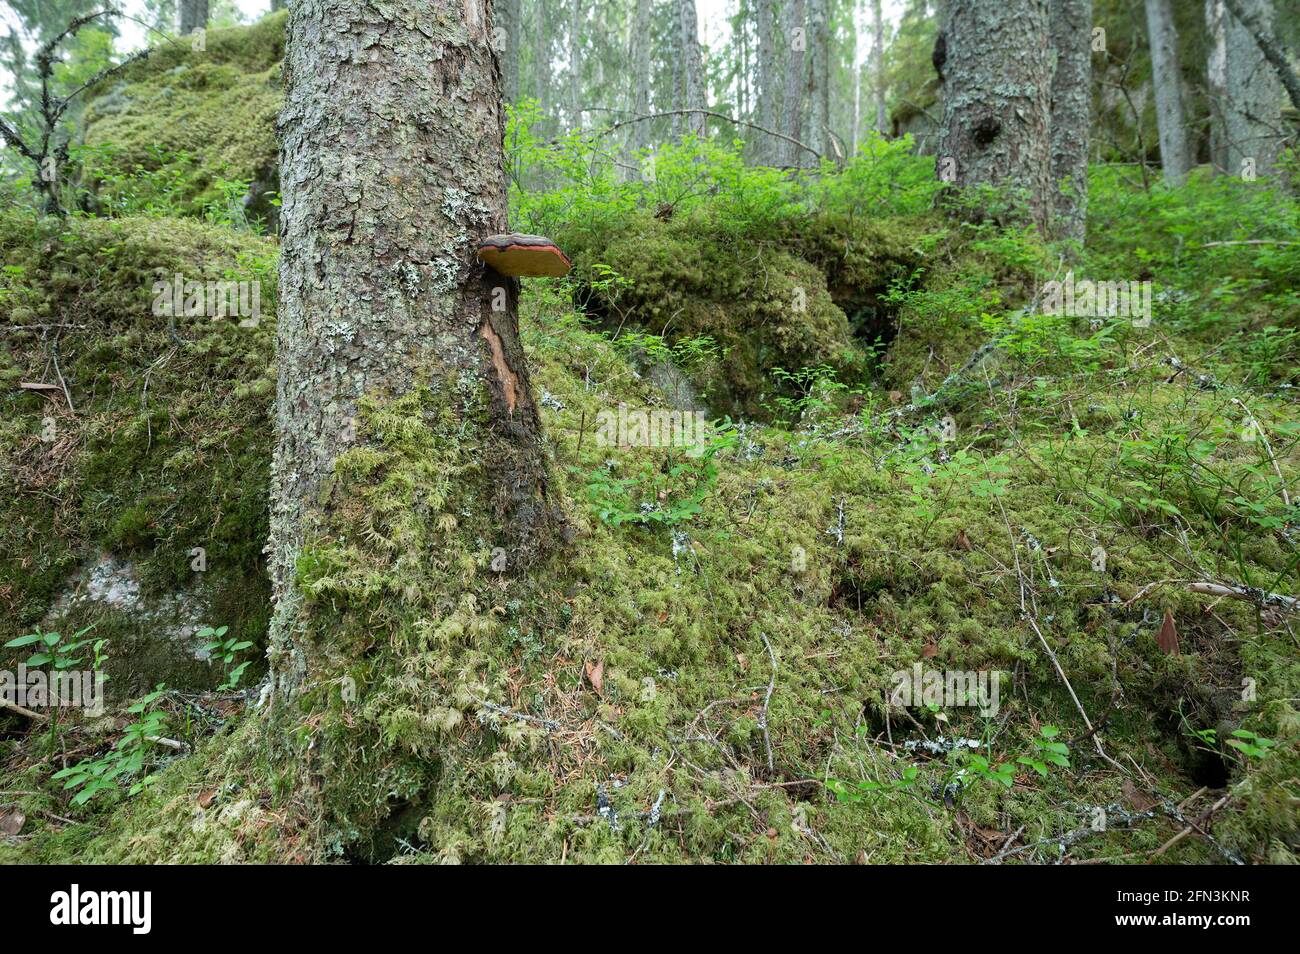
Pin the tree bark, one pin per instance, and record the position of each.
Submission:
(391, 167)
(766, 149)
(1216, 80)
(878, 66)
(575, 64)
(507, 31)
(997, 75)
(1071, 26)
(1166, 77)
(194, 16)
(819, 76)
(796, 38)
(1269, 46)
(639, 81)
(688, 25)
(1252, 104)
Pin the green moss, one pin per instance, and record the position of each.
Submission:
(194, 118)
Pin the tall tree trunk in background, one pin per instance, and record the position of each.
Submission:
(639, 81)
(857, 74)
(391, 169)
(1268, 44)
(508, 33)
(277, 5)
(541, 64)
(1253, 95)
(766, 150)
(1175, 153)
(997, 69)
(1216, 80)
(688, 25)
(819, 76)
(796, 40)
(575, 64)
(1071, 28)
(194, 16)
(878, 66)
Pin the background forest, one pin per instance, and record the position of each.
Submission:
(928, 442)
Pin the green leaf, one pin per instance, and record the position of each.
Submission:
(23, 640)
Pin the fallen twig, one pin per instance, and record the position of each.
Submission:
(762, 719)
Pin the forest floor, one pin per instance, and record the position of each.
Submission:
(913, 466)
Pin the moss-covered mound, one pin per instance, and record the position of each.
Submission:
(195, 120)
(135, 447)
(807, 292)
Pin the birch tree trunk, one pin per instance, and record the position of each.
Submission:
(1071, 26)
(391, 170)
(1216, 80)
(997, 78)
(688, 25)
(1252, 95)
(194, 16)
(796, 38)
(1175, 153)
(767, 115)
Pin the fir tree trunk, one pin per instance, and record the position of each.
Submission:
(796, 39)
(1071, 26)
(997, 69)
(1175, 153)
(692, 67)
(767, 114)
(391, 170)
(878, 66)
(1216, 80)
(507, 33)
(1252, 96)
(194, 16)
(819, 76)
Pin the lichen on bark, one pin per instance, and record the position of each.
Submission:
(391, 168)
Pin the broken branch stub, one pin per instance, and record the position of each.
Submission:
(524, 256)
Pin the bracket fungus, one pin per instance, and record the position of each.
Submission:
(524, 256)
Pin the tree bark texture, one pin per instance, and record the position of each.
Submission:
(796, 39)
(1175, 153)
(997, 70)
(391, 170)
(1071, 26)
(692, 67)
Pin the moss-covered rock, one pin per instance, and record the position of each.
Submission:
(196, 119)
(158, 469)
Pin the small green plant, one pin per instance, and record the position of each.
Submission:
(52, 648)
(1047, 751)
(970, 768)
(226, 650)
(1250, 744)
(127, 759)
